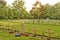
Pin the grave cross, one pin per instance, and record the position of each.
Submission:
(34, 31)
(49, 32)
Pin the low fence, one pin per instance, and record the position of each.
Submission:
(37, 35)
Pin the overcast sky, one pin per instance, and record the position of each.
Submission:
(28, 3)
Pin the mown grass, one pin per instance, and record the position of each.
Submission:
(6, 36)
(41, 27)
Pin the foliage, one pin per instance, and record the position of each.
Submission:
(18, 11)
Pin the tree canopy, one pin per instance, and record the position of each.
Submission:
(38, 11)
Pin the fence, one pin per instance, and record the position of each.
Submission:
(37, 35)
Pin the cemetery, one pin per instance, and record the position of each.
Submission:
(29, 20)
(20, 29)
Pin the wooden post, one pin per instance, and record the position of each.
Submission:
(49, 32)
(0, 26)
(7, 27)
(22, 28)
(14, 28)
(42, 35)
(3, 27)
(34, 31)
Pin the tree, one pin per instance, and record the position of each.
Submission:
(47, 10)
(2, 3)
(52, 11)
(19, 9)
(2, 8)
(38, 11)
(57, 5)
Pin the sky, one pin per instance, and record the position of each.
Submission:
(28, 3)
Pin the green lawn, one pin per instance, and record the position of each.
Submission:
(41, 27)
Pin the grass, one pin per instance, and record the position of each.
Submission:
(41, 27)
(6, 36)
